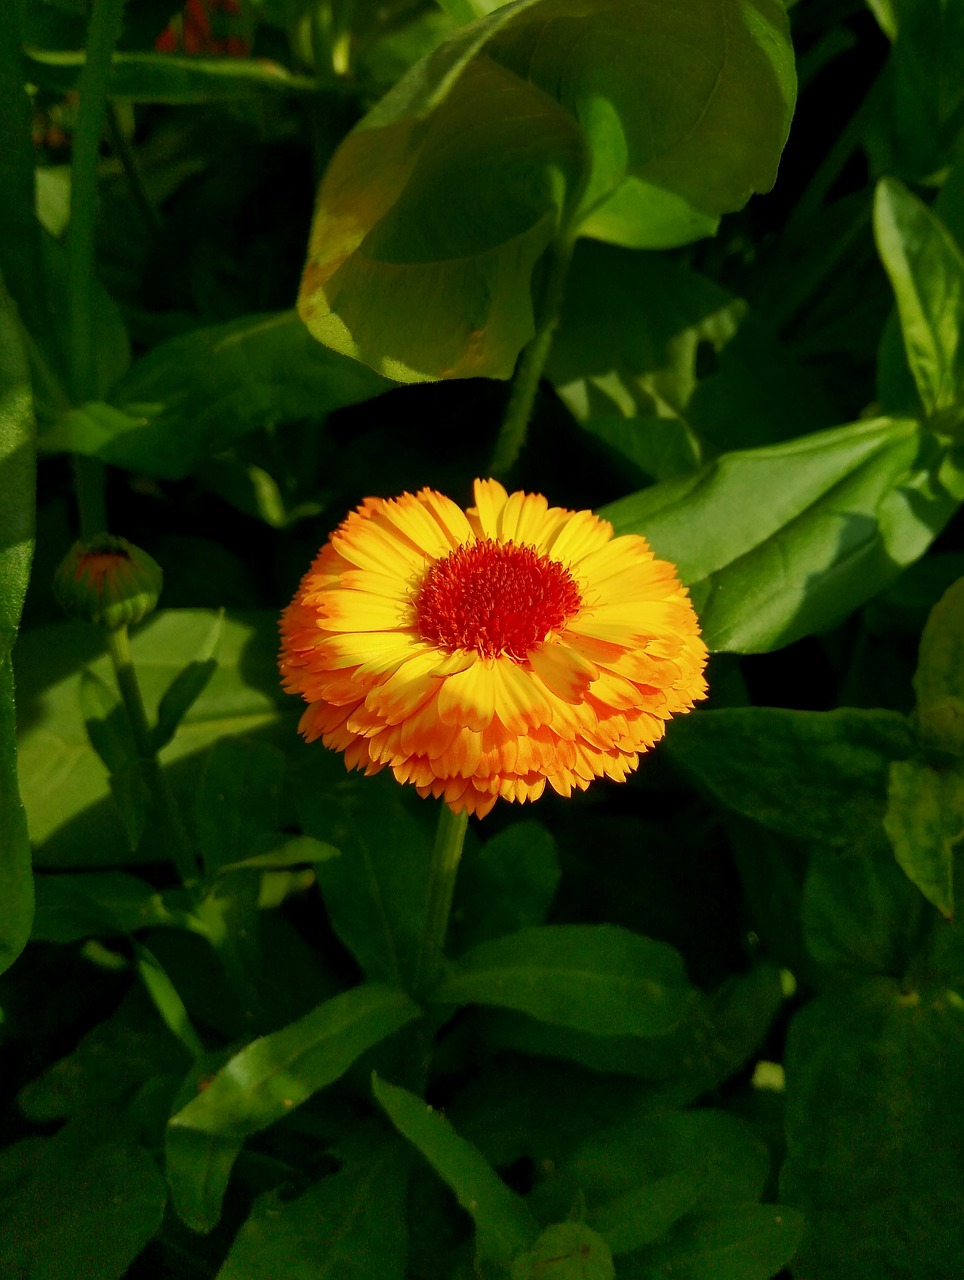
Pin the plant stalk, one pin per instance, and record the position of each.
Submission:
(525, 381)
(446, 855)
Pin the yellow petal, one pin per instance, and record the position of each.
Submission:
(563, 671)
(358, 611)
(450, 517)
(367, 546)
(520, 701)
(582, 533)
(468, 699)
(490, 498)
(413, 521)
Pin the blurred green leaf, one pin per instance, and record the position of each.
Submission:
(71, 907)
(875, 1132)
(566, 1251)
(738, 1242)
(376, 891)
(352, 1223)
(236, 801)
(939, 678)
(776, 543)
(595, 978)
(199, 393)
(925, 822)
(503, 1224)
(17, 502)
(278, 1072)
(88, 1206)
(508, 884)
(813, 775)
(198, 1164)
(65, 786)
(166, 999)
(170, 78)
(926, 270)
(606, 123)
(186, 687)
(648, 1171)
(860, 912)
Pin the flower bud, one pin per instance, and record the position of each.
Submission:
(108, 581)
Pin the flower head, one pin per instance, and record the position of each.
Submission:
(108, 581)
(484, 653)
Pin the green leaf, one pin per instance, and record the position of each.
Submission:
(739, 1242)
(236, 802)
(925, 822)
(198, 394)
(88, 1206)
(635, 331)
(649, 1170)
(350, 1224)
(166, 999)
(860, 913)
(508, 884)
(814, 775)
(875, 1132)
(635, 124)
(596, 978)
(71, 907)
(503, 1224)
(939, 678)
(153, 77)
(926, 269)
(198, 1164)
(17, 500)
(65, 787)
(278, 1072)
(376, 892)
(186, 687)
(293, 852)
(566, 1251)
(779, 542)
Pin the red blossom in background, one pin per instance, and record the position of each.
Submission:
(205, 27)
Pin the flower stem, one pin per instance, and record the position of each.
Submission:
(182, 854)
(525, 381)
(449, 838)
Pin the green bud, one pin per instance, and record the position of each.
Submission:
(108, 581)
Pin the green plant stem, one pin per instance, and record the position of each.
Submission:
(525, 381)
(446, 855)
(102, 36)
(131, 172)
(118, 646)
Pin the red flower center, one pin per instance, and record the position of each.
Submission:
(496, 597)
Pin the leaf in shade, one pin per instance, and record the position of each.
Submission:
(352, 1223)
(507, 884)
(939, 678)
(779, 542)
(566, 1251)
(596, 978)
(90, 1202)
(737, 1242)
(71, 907)
(504, 1227)
(632, 122)
(925, 822)
(814, 775)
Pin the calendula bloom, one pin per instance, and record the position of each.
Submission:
(484, 653)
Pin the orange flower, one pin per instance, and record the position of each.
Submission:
(484, 653)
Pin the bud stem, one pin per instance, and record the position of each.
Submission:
(446, 855)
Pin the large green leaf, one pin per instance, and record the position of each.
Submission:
(276, 1073)
(926, 269)
(776, 543)
(814, 775)
(503, 1224)
(505, 885)
(628, 120)
(65, 785)
(351, 1225)
(925, 822)
(89, 1203)
(875, 1133)
(197, 394)
(599, 979)
(17, 501)
(939, 678)
(566, 1251)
